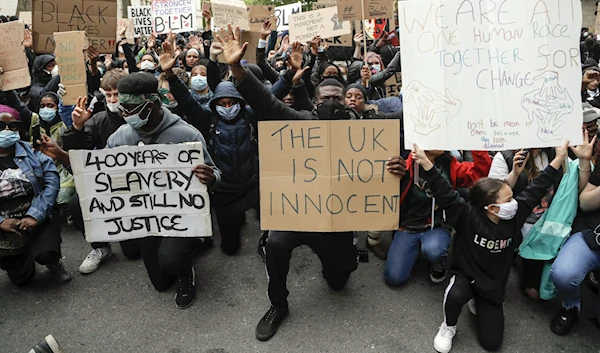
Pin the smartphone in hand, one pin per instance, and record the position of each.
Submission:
(36, 135)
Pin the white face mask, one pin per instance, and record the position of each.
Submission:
(113, 107)
(54, 71)
(147, 65)
(507, 210)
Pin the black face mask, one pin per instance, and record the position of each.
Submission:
(331, 110)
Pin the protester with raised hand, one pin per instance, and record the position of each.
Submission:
(231, 132)
(485, 243)
(29, 229)
(335, 250)
(91, 131)
(166, 258)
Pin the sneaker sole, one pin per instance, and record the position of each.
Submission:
(265, 337)
(53, 344)
(186, 306)
(86, 271)
(437, 280)
(441, 350)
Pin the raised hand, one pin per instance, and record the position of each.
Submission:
(265, 31)
(167, 58)
(195, 42)
(216, 49)
(314, 45)
(151, 41)
(296, 57)
(80, 114)
(365, 75)
(358, 38)
(121, 29)
(586, 149)
(297, 79)
(27, 39)
(92, 53)
(171, 37)
(233, 50)
(419, 156)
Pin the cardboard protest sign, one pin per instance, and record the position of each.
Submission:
(26, 17)
(142, 19)
(323, 4)
(232, 12)
(98, 18)
(13, 60)
(175, 15)
(283, 14)
(328, 176)
(393, 85)
(324, 22)
(339, 41)
(139, 191)
(597, 26)
(351, 9)
(494, 78)
(70, 58)
(259, 14)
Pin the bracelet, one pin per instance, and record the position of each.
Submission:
(584, 170)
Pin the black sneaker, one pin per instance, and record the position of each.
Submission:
(48, 345)
(59, 272)
(437, 272)
(186, 291)
(268, 325)
(564, 321)
(262, 245)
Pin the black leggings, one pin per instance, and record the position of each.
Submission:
(490, 316)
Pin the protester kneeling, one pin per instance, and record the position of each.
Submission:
(29, 183)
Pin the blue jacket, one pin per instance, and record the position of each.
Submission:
(41, 172)
(232, 144)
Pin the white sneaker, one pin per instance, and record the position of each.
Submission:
(94, 259)
(443, 340)
(472, 307)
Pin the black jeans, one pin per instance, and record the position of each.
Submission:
(490, 316)
(130, 248)
(166, 258)
(532, 273)
(231, 217)
(338, 255)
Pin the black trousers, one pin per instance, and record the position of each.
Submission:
(490, 316)
(130, 248)
(231, 217)
(338, 255)
(166, 258)
(532, 273)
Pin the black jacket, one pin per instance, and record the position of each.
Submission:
(484, 251)
(41, 82)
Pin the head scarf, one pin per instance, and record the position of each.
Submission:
(10, 110)
(193, 50)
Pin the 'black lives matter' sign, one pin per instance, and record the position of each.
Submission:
(138, 191)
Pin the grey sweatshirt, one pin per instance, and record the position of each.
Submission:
(172, 129)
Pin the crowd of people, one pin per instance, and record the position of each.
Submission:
(187, 87)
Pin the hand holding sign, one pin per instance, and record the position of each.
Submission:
(205, 173)
(233, 50)
(80, 114)
(420, 157)
(396, 165)
(265, 31)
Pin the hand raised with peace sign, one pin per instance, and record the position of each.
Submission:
(80, 114)
(233, 50)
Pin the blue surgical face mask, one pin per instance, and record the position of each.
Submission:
(199, 83)
(135, 120)
(47, 114)
(229, 113)
(8, 138)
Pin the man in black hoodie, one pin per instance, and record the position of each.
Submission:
(336, 250)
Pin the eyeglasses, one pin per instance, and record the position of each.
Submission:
(12, 126)
(126, 112)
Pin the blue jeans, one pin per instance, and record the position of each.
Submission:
(405, 249)
(572, 264)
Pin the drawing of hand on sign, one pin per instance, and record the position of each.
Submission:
(430, 103)
(548, 105)
(337, 25)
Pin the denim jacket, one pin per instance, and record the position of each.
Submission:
(42, 174)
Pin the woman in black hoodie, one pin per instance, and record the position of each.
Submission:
(488, 234)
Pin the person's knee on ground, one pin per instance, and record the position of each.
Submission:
(231, 245)
(490, 342)
(131, 249)
(395, 278)
(435, 249)
(336, 281)
(47, 258)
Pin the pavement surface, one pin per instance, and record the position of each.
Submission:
(116, 309)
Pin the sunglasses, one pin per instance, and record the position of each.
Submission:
(12, 126)
(126, 112)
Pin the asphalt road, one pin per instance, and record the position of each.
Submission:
(116, 309)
